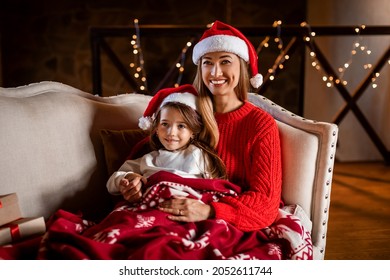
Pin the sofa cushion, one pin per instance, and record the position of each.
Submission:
(299, 152)
(118, 144)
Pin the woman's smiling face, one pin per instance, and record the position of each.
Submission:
(220, 72)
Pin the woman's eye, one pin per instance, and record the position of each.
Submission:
(181, 126)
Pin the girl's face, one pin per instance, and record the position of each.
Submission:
(172, 131)
(220, 72)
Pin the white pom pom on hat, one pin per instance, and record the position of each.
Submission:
(185, 94)
(223, 37)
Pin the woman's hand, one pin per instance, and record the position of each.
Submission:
(130, 187)
(184, 209)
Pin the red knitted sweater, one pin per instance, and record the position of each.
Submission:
(249, 145)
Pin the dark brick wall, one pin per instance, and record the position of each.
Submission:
(49, 40)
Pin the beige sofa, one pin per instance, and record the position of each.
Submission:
(58, 145)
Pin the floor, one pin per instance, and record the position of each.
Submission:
(359, 215)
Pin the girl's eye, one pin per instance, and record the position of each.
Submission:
(164, 124)
(181, 126)
(225, 61)
(206, 62)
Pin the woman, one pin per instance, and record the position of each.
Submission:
(248, 142)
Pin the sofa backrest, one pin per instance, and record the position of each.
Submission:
(308, 154)
(51, 152)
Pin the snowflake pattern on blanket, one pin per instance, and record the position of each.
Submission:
(141, 231)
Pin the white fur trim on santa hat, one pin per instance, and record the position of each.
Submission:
(220, 43)
(186, 98)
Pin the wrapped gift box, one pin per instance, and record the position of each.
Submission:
(21, 228)
(9, 208)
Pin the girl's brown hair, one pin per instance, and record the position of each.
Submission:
(215, 166)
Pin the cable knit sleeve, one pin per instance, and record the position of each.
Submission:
(259, 165)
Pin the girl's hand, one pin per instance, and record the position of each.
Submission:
(131, 187)
(184, 209)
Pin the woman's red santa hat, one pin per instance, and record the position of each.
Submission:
(185, 94)
(222, 37)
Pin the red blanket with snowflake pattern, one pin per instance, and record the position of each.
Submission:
(143, 232)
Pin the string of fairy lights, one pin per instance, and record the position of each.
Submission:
(358, 46)
(181, 61)
(137, 65)
(138, 61)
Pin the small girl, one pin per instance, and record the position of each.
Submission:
(178, 140)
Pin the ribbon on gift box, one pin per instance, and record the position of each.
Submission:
(15, 232)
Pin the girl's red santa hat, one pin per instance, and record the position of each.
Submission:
(185, 94)
(221, 37)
